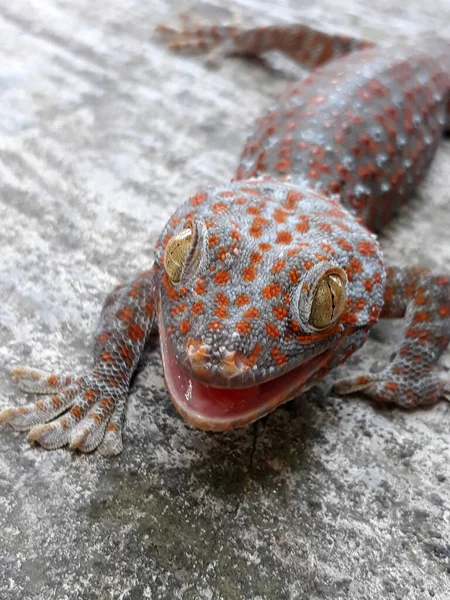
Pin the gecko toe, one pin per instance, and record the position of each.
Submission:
(38, 381)
(50, 436)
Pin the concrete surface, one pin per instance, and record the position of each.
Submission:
(102, 133)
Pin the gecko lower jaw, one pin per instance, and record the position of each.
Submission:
(220, 409)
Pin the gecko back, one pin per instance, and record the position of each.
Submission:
(364, 126)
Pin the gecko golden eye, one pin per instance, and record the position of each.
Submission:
(176, 253)
(329, 301)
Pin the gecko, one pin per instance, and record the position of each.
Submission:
(263, 285)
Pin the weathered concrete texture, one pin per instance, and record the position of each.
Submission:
(102, 133)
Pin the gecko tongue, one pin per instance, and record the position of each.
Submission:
(218, 409)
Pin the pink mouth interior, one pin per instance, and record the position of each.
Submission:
(218, 409)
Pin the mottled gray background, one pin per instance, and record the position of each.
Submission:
(103, 133)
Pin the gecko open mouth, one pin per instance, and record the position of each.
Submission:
(220, 409)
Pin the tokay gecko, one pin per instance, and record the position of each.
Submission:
(263, 285)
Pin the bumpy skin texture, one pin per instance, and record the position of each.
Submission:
(330, 162)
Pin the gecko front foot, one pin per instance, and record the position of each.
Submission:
(389, 387)
(84, 413)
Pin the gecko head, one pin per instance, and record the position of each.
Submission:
(264, 287)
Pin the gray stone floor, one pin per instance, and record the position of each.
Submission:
(102, 133)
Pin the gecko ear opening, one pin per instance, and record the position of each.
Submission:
(329, 300)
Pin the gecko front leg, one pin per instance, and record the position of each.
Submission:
(86, 412)
(410, 380)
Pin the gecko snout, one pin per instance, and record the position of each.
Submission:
(222, 367)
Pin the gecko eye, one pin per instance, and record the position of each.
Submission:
(329, 300)
(177, 251)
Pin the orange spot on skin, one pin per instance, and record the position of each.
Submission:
(420, 299)
(242, 300)
(112, 427)
(272, 330)
(253, 210)
(257, 226)
(280, 215)
(422, 317)
(127, 354)
(366, 248)
(255, 258)
(125, 314)
(215, 326)
(264, 247)
(251, 191)
(251, 313)
(243, 327)
(444, 310)
(359, 304)
(149, 308)
(89, 395)
(210, 224)
(368, 285)
(185, 327)
(213, 241)
(198, 199)
(101, 339)
(344, 244)
(135, 332)
(106, 357)
(308, 264)
(253, 356)
(278, 266)
(270, 291)
(349, 318)
(442, 280)
(391, 385)
(302, 227)
(283, 165)
(222, 278)
(284, 237)
(292, 199)
(56, 401)
(279, 312)
(235, 235)
(76, 412)
(249, 273)
(222, 299)
(354, 266)
(220, 207)
(53, 379)
(169, 289)
(200, 286)
(221, 312)
(295, 326)
(294, 275)
(222, 254)
(197, 308)
(279, 358)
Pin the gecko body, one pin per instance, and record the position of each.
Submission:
(263, 285)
